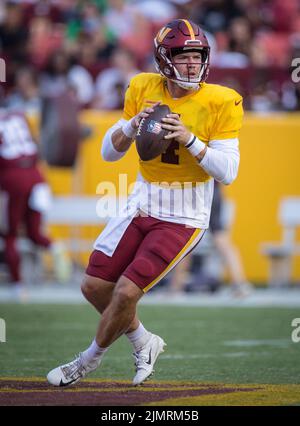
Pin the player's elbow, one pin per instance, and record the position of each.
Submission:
(108, 156)
(105, 155)
(108, 153)
(231, 174)
(109, 159)
(228, 180)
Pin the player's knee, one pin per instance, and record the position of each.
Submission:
(121, 298)
(88, 288)
(126, 294)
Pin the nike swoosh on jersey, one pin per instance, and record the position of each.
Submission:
(238, 102)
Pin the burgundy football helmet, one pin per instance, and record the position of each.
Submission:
(180, 36)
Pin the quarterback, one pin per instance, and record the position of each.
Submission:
(136, 250)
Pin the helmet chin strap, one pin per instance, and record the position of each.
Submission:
(184, 85)
(187, 86)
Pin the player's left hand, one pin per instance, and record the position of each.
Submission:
(177, 129)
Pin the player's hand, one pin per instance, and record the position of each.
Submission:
(177, 129)
(135, 122)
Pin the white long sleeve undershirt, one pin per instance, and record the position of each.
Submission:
(108, 151)
(221, 160)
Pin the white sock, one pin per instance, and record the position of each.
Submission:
(138, 337)
(93, 353)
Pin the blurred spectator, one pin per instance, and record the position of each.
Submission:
(240, 35)
(93, 54)
(111, 83)
(131, 29)
(42, 8)
(284, 14)
(13, 33)
(94, 51)
(45, 39)
(265, 97)
(25, 97)
(91, 18)
(13, 39)
(236, 46)
(120, 17)
(80, 79)
(271, 49)
(61, 76)
(231, 59)
(156, 11)
(54, 79)
(216, 15)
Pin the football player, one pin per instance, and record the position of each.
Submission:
(135, 251)
(24, 195)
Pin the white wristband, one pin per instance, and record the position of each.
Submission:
(195, 146)
(128, 130)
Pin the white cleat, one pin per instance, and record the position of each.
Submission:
(71, 373)
(146, 357)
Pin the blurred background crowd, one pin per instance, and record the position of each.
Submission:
(94, 47)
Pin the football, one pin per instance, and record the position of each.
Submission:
(150, 142)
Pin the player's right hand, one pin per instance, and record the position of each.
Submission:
(135, 121)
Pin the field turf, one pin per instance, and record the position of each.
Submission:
(228, 345)
(215, 356)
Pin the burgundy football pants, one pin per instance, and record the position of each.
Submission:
(17, 185)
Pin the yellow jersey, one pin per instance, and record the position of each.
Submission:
(213, 112)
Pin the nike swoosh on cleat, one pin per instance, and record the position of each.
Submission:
(66, 383)
(149, 359)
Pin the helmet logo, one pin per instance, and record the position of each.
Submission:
(162, 34)
(190, 28)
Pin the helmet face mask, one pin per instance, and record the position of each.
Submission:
(177, 38)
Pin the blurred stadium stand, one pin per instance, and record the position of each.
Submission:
(49, 45)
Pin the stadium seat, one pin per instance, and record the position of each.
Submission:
(280, 255)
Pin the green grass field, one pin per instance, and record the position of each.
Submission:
(224, 345)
